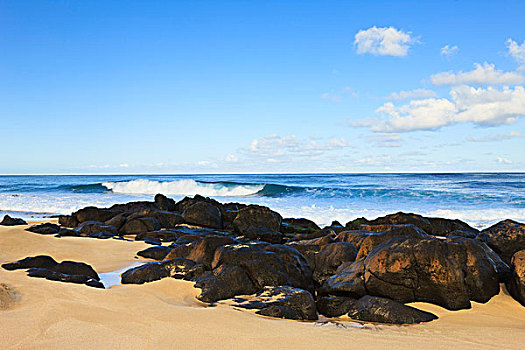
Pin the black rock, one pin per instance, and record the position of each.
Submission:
(39, 261)
(506, 238)
(175, 268)
(281, 302)
(335, 306)
(203, 214)
(383, 310)
(45, 229)
(141, 224)
(164, 203)
(155, 253)
(516, 284)
(87, 228)
(9, 221)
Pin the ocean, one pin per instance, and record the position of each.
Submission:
(480, 199)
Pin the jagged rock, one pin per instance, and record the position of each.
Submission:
(45, 229)
(335, 306)
(258, 217)
(139, 225)
(516, 284)
(90, 227)
(9, 221)
(292, 225)
(203, 214)
(176, 268)
(506, 238)
(155, 253)
(201, 250)
(281, 302)
(39, 261)
(325, 259)
(68, 221)
(383, 310)
(448, 272)
(164, 203)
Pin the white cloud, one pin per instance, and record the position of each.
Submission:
(448, 50)
(502, 160)
(517, 51)
(483, 74)
(487, 107)
(497, 137)
(383, 41)
(280, 147)
(416, 93)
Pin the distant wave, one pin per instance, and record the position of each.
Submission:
(183, 188)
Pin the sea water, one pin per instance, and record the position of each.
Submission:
(480, 199)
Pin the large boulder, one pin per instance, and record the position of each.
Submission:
(203, 214)
(140, 224)
(448, 272)
(263, 234)
(9, 221)
(506, 238)
(76, 268)
(383, 310)
(335, 306)
(281, 302)
(516, 284)
(258, 217)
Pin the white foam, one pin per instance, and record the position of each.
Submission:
(181, 188)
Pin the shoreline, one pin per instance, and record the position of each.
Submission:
(165, 313)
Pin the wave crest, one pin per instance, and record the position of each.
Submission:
(183, 188)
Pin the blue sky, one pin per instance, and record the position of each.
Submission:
(247, 86)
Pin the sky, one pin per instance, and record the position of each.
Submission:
(261, 86)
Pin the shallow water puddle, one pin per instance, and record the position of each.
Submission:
(112, 278)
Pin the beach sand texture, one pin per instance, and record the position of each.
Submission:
(42, 314)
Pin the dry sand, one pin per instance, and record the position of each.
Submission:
(165, 314)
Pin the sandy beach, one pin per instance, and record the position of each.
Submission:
(165, 314)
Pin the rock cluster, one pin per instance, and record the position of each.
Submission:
(9, 221)
(291, 268)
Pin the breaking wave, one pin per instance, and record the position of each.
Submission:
(183, 188)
